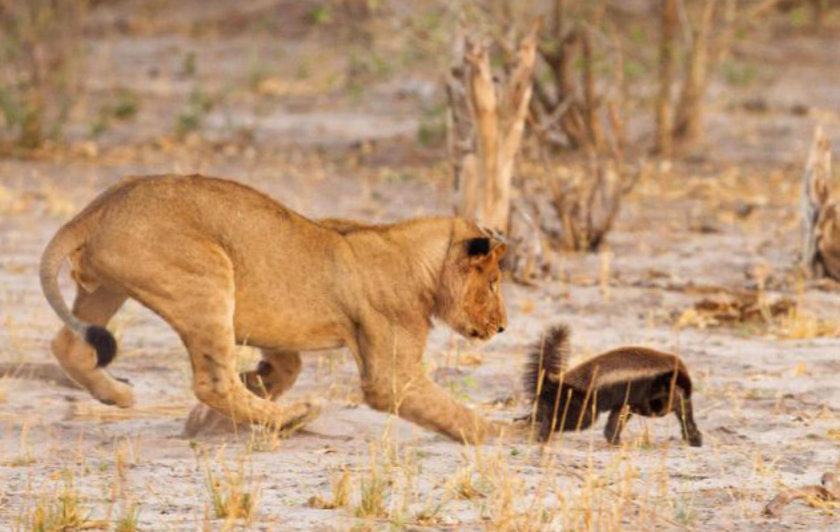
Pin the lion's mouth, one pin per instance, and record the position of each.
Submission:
(476, 334)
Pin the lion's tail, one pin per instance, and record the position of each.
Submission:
(68, 239)
(549, 357)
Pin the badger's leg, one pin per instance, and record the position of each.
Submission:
(584, 415)
(79, 359)
(615, 424)
(685, 415)
(545, 429)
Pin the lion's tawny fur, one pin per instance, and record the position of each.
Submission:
(224, 264)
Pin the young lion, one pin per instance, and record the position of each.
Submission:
(224, 264)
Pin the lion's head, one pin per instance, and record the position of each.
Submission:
(470, 297)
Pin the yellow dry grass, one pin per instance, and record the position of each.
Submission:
(800, 324)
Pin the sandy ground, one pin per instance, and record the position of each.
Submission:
(767, 399)
(767, 407)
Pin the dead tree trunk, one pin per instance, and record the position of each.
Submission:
(487, 126)
(709, 34)
(689, 120)
(664, 119)
(816, 205)
(462, 143)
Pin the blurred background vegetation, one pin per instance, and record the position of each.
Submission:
(617, 85)
(117, 71)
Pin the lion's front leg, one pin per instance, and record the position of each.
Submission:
(393, 381)
(422, 401)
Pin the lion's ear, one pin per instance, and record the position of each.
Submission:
(484, 250)
(498, 251)
(478, 246)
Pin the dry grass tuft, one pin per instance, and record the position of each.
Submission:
(265, 437)
(234, 494)
(505, 485)
(373, 489)
(463, 486)
(340, 493)
(801, 324)
(128, 519)
(56, 512)
(26, 456)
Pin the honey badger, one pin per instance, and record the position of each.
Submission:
(624, 381)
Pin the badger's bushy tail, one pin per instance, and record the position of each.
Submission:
(549, 356)
(69, 238)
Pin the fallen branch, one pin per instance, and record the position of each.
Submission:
(825, 496)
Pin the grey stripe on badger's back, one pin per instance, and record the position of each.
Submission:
(626, 364)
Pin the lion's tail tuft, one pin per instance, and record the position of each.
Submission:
(69, 238)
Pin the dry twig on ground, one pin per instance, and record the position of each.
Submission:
(825, 495)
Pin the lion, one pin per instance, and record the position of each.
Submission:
(224, 264)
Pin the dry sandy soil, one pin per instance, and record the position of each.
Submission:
(767, 395)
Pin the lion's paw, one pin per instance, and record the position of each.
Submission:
(300, 415)
(117, 394)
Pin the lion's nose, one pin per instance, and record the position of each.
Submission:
(501, 329)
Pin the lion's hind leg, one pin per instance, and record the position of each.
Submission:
(79, 359)
(196, 297)
(217, 384)
(201, 309)
(274, 375)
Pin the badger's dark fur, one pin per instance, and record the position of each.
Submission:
(624, 381)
